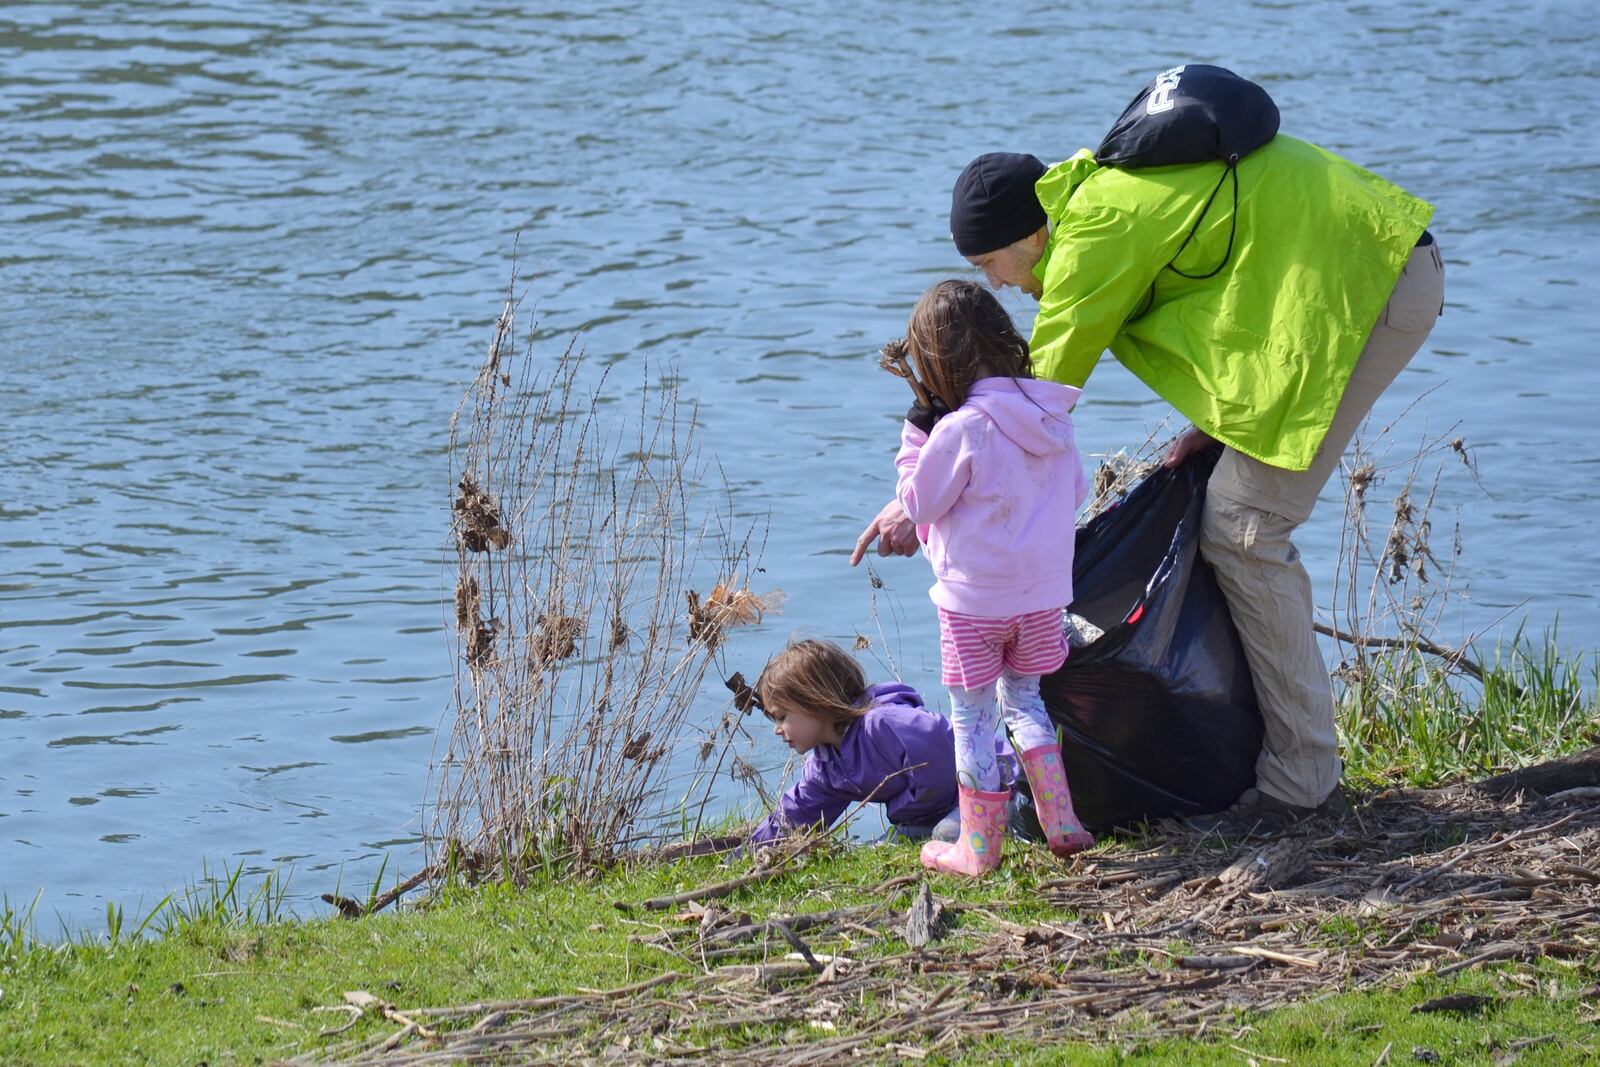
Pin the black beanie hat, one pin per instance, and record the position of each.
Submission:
(994, 203)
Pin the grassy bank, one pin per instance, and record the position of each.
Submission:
(215, 990)
(1165, 948)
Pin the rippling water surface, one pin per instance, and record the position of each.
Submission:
(250, 253)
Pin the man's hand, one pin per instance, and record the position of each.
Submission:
(1188, 443)
(896, 535)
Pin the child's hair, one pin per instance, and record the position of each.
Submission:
(959, 333)
(816, 677)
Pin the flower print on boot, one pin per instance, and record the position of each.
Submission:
(1053, 801)
(983, 827)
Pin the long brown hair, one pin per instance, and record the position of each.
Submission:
(816, 677)
(959, 333)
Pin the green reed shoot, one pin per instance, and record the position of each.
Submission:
(1408, 720)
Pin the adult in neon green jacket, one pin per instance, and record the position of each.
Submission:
(1257, 355)
(1272, 328)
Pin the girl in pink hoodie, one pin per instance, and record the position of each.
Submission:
(990, 473)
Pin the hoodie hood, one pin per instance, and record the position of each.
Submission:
(993, 490)
(893, 693)
(1034, 415)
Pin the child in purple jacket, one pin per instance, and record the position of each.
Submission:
(993, 480)
(860, 741)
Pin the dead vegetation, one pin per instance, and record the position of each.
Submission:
(1390, 590)
(1166, 936)
(581, 531)
(1119, 471)
(726, 606)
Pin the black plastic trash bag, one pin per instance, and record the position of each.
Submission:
(1159, 712)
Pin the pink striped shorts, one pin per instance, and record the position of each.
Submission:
(972, 649)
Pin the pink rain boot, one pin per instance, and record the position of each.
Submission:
(983, 828)
(1052, 800)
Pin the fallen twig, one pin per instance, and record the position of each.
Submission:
(716, 889)
(1455, 656)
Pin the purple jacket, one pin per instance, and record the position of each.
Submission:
(994, 491)
(896, 732)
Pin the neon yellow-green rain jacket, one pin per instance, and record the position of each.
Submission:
(1258, 355)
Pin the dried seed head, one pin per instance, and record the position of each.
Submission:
(634, 747)
(892, 357)
(1361, 480)
(727, 605)
(619, 631)
(557, 636)
(478, 519)
(480, 642)
(468, 602)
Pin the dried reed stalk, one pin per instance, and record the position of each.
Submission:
(1390, 591)
(581, 643)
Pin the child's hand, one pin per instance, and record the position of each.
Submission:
(924, 416)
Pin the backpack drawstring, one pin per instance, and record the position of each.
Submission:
(1230, 167)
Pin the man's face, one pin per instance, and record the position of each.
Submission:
(801, 730)
(1013, 264)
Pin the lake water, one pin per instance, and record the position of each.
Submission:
(251, 253)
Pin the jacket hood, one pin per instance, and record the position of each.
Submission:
(1034, 415)
(1056, 186)
(883, 693)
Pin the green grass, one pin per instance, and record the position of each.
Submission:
(1408, 722)
(1354, 1029)
(223, 987)
(195, 990)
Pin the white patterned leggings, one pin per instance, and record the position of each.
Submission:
(975, 718)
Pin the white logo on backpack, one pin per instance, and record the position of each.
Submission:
(1161, 98)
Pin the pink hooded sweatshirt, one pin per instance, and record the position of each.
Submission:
(994, 491)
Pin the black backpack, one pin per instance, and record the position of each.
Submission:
(1192, 114)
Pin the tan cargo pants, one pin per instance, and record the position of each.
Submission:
(1252, 509)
